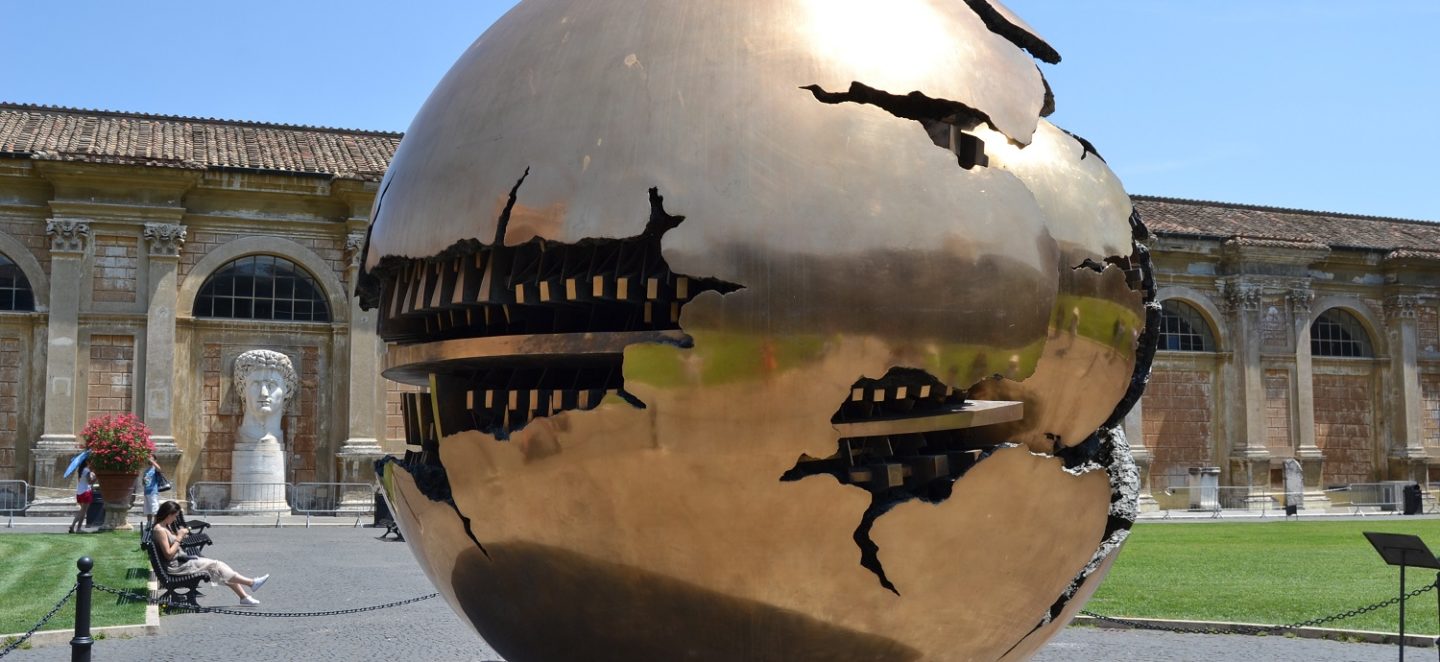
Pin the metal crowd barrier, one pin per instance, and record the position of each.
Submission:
(14, 497)
(334, 499)
(215, 498)
(1370, 498)
(1215, 501)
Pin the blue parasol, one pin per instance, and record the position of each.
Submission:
(75, 463)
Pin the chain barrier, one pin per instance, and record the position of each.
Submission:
(26, 637)
(263, 614)
(1259, 629)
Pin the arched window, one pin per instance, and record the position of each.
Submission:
(15, 292)
(1337, 333)
(1183, 329)
(262, 287)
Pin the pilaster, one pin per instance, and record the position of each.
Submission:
(68, 241)
(1249, 457)
(1406, 452)
(1135, 432)
(355, 459)
(1311, 458)
(164, 242)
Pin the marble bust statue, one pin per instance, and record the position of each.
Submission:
(265, 381)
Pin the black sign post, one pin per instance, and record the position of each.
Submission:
(1403, 550)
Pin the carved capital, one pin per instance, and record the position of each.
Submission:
(1404, 306)
(354, 245)
(67, 235)
(1241, 297)
(1301, 300)
(165, 239)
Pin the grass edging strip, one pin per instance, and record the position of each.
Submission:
(149, 628)
(1209, 627)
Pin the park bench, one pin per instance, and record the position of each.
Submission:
(191, 544)
(197, 540)
(178, 588)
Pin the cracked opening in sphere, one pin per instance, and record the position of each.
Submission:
(904, 438)
(579, 303)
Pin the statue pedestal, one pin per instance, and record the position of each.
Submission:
(355, 466)
(257, 476)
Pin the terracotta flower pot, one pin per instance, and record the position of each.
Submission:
(117, 489)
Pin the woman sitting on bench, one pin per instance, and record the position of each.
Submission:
(168, 544)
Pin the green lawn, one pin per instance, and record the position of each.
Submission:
(1270, 572)
(39, 568)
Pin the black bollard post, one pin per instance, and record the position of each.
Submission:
(80, 645)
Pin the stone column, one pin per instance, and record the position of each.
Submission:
(1311, 458)
(1405, 454)
(356, 458)
(164, 241)
(1249, 455)
(57, 443)
(1135, 433)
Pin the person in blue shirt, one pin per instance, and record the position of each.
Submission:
(152, 491)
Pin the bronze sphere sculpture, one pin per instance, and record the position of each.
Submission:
(759, 329)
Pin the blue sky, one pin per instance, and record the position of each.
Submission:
(1316, 104)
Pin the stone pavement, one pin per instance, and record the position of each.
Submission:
(1087, 644)
(339, 567)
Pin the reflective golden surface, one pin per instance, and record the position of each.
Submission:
(633, 470)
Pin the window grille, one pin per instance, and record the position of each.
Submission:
(262, 287)
(1338, 333)
(15, 292)
(1182, 329)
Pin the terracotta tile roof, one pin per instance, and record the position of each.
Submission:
(1249, 223)
(100, 136)
(1412, 254)
(97, 136)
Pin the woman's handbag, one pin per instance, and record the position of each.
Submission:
(162, 484)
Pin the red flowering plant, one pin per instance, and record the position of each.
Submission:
(118, 443)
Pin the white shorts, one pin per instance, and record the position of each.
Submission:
(152, 503)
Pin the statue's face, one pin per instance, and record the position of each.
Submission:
(265, 391)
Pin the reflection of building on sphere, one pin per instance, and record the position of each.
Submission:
(715, 322)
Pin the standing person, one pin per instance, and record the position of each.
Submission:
(168, 544)
(84, 494)
(151, 491)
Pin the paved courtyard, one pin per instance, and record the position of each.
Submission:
(325, 568)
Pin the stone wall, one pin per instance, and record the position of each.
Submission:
(395, 423)
(116, 264)
(1344, 427)
(1430, 410)
(1274, 326)
(1178, 408)
(10, 409)
(111, 388)
(202, 241)
(31, 233)
(1277, 413)
(1428, 328)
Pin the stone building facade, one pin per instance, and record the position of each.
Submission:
(143, 253)
(1292, 334)
(140, 254)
